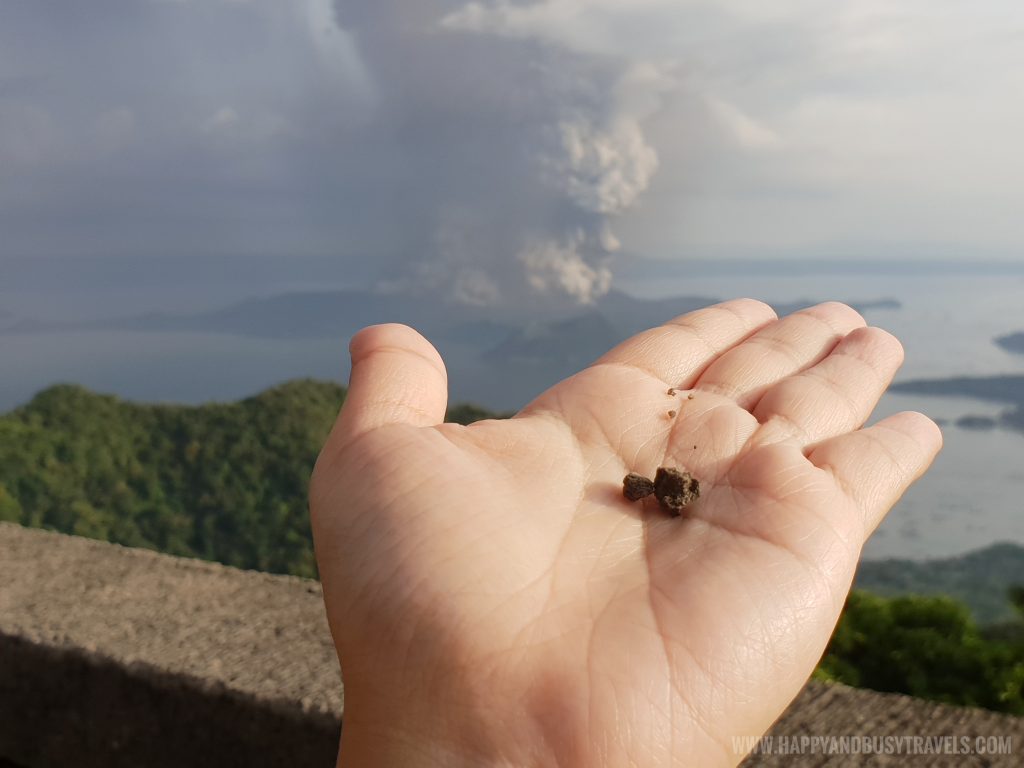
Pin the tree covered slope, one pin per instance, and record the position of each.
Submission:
(222, 482)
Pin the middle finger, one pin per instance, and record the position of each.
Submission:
(779, 350)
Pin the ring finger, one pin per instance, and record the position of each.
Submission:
(779, 350)
(833, 397)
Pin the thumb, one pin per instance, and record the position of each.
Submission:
(397, 378)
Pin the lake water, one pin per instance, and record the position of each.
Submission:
(974, 495)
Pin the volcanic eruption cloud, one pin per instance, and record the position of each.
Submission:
(515, 146)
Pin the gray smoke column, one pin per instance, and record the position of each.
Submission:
(511, 154)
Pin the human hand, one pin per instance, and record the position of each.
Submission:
(494, 599)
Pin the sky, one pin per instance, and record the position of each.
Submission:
(493, 150)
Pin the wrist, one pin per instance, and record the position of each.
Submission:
(396, 745)
(479, 727)
(369, 748)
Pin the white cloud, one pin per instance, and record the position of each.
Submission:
(538, 144)
(836, 126)
(334, 46)
(603, 169)
(559, 267)
(747, 132)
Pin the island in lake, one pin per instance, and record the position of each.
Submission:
(1013, 342)
(1007, 389)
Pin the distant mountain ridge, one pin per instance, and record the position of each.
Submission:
(980, 579)
(500, 356)
(336, 314)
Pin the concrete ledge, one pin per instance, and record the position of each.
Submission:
(77, 708)
(119, 657)
(112, 656)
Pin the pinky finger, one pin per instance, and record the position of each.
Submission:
(876, 465)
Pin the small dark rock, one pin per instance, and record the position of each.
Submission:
(636, 487)
(675, 490)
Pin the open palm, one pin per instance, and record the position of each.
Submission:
(496, 601)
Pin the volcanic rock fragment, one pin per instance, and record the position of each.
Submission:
(674, 490)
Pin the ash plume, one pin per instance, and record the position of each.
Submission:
(511, 154)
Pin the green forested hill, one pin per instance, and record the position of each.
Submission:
(224, 482)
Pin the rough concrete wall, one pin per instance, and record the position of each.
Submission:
(118, 657)
(68, 707)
